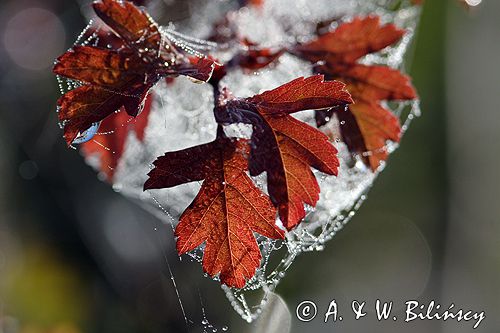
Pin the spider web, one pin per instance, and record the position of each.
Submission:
(177, 122)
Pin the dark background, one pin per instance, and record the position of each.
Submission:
(77, 257)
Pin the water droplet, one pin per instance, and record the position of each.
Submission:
(87, 135)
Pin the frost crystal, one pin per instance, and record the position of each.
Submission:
(182, 117)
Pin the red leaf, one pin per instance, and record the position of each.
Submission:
(366, 126)
(120, 77)
(302, 94)
(251, 57)
(100, 67)
(200, 69)
(375, 136)
(256, 57)
(350, 41)
(132, 24)
(226, 211)
(285, 147)
(110, 145)
(82, 107)
(102, 37)
(373, 83)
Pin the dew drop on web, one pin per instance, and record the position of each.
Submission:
(181, 117)
(87, 135)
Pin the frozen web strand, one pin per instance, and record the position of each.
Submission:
(176, 122)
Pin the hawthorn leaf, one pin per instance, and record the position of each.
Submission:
(122, 75)
(255, 57)
(374, 82)
(335, 55)
(226, 211)
(285, 147)
(350, 41)
(99, 66)
(374, 136)
(82, 107)
(132, 24)
(301, 94)
(199, 69)
(110, 144)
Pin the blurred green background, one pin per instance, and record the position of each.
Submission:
(429, 230)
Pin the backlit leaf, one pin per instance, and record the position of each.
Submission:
(335, 54)
(285, 147)
(226, 212)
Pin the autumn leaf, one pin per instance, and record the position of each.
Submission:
(285, 147)
(137, 29)
(109, 145)
(82, 107)
(122, 75)
(250, 56)
(200, 69)
(335, 54)
(254, 57)
(102, 67)
(226, 211)
(351, 41)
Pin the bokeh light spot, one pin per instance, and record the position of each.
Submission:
(28, 170)
(33, 37)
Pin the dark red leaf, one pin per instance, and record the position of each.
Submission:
(285, 147)
(350, 41)
(226, 211)
(255, 57)
(335, 54)
(80, 108)
(102, 67)
(132, 24)
(110, 144)
(373, 83)
(122, 76)
(200, 69)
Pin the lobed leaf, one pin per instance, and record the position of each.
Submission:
(123, 75)
(133, 25)
(285, 147)
(99, 66)
(115, 129)
(366, 126)
(226, 211)
(350, 41)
